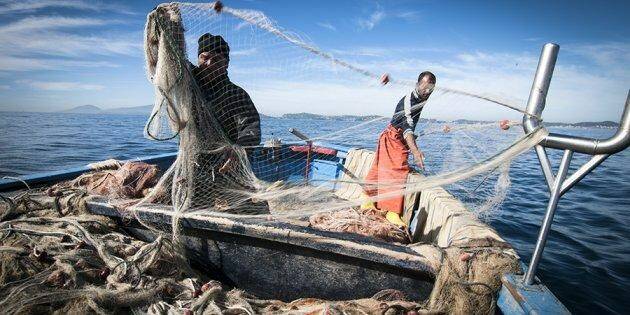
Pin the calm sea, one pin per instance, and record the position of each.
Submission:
(587, 259)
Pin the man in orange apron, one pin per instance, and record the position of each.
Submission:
(388, 175)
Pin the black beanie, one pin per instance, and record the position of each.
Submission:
(214, 44)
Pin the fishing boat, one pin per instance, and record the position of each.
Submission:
(288, 259)
(256, 253)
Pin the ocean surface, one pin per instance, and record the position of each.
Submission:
(587, 259)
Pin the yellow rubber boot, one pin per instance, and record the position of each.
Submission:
(367, 203)
(394, 218)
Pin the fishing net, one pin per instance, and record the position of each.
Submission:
(231, 157)
(55, 257)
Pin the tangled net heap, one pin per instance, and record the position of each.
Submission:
(368, 222)
(55, 257)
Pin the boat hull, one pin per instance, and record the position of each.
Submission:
(278, 262)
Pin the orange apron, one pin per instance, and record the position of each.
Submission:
(389, 170)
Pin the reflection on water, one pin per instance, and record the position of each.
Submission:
(586, 259)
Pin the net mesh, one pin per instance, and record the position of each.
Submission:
(222, 165)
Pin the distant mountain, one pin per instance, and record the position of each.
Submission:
(146, 110)
(85, 109)
(606, 123)
(91, 109)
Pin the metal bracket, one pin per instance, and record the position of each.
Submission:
(559, 183)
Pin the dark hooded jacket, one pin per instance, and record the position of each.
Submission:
(232, 107)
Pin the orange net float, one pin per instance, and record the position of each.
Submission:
(384, 78)
(504, 124)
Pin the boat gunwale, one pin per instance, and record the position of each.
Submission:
(355, 246)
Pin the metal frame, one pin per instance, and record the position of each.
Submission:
(559, 184)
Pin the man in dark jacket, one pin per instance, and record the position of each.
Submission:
(231, 105)
(239, 121)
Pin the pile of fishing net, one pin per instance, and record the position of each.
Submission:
(56, 257)
(469, 279)
(133, 180)
(114, 179)
(368, 222)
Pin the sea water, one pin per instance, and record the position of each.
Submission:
(586, 262)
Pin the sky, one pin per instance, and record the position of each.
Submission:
(61, 54)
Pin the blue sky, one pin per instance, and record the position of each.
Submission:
(60, 54)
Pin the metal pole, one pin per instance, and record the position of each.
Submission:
(582, 172)
(538, 93)
(551, 209)
(617, 143)
(545, 165)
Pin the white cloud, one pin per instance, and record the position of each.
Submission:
(327, 25)
(9, 63)
(244, 52)
(379, 15)
(61, 86)
(43, 36)
(608, 54)
(27, 6)
(31, 24)
(533, 39)
(36, 43)
(410, 16)
(374, 19)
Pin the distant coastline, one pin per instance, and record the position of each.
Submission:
(599, 124)
(92, 109)
(145, 110)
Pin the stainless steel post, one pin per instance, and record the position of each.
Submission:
(551, 209)
(540, 87)
(536, 102)
(599, 148)
(545, 165)
(582, 172)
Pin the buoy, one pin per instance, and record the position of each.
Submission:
(504, 124)
(385, 78)
(218, 6)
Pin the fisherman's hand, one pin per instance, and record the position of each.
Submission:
(418, 157)
(204, 59)
(229, 162)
